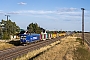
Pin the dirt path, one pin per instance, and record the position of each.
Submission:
(62, 51)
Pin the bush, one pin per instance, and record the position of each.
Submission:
(79, 40)
(6, 36)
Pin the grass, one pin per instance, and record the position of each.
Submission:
(5, 45)
(81, 54)
(10, 44)
(79, 40)
(62, 51)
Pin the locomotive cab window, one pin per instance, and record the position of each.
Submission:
(23, 37)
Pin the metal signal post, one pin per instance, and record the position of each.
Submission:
(82, 25)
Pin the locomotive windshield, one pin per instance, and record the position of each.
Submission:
(23, 37)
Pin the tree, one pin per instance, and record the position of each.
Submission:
(9, 28)
(34, 28)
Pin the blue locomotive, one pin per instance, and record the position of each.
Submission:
(27, 38)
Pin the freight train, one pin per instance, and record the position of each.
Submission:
(28, 38)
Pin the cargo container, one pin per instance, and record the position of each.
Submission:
(62, 34)
(49, 35)
(54, 35)
(57, 34)
(43, 36)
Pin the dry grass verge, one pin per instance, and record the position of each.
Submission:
(62, 51)
(82, 52)
(5, 45)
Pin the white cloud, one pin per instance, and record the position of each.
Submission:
(67, 9)
(87, 15)
(2, 12)
(31, 12)
(61, 11)
(13, 12)
(22, 3)
(46, 16)
(73, 12)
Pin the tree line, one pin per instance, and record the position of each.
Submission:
(8, 28)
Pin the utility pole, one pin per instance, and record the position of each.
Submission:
(7, 22)
(7, 16)
(82, 25)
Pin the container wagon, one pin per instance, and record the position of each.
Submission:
(43, 36)
(54, 35)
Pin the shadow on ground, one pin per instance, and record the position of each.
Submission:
(15, 43)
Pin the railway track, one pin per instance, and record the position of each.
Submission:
(11, 53)
(87, 38)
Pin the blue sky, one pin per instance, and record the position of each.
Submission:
(49, 14)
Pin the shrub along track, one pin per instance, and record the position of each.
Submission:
(11, 53)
